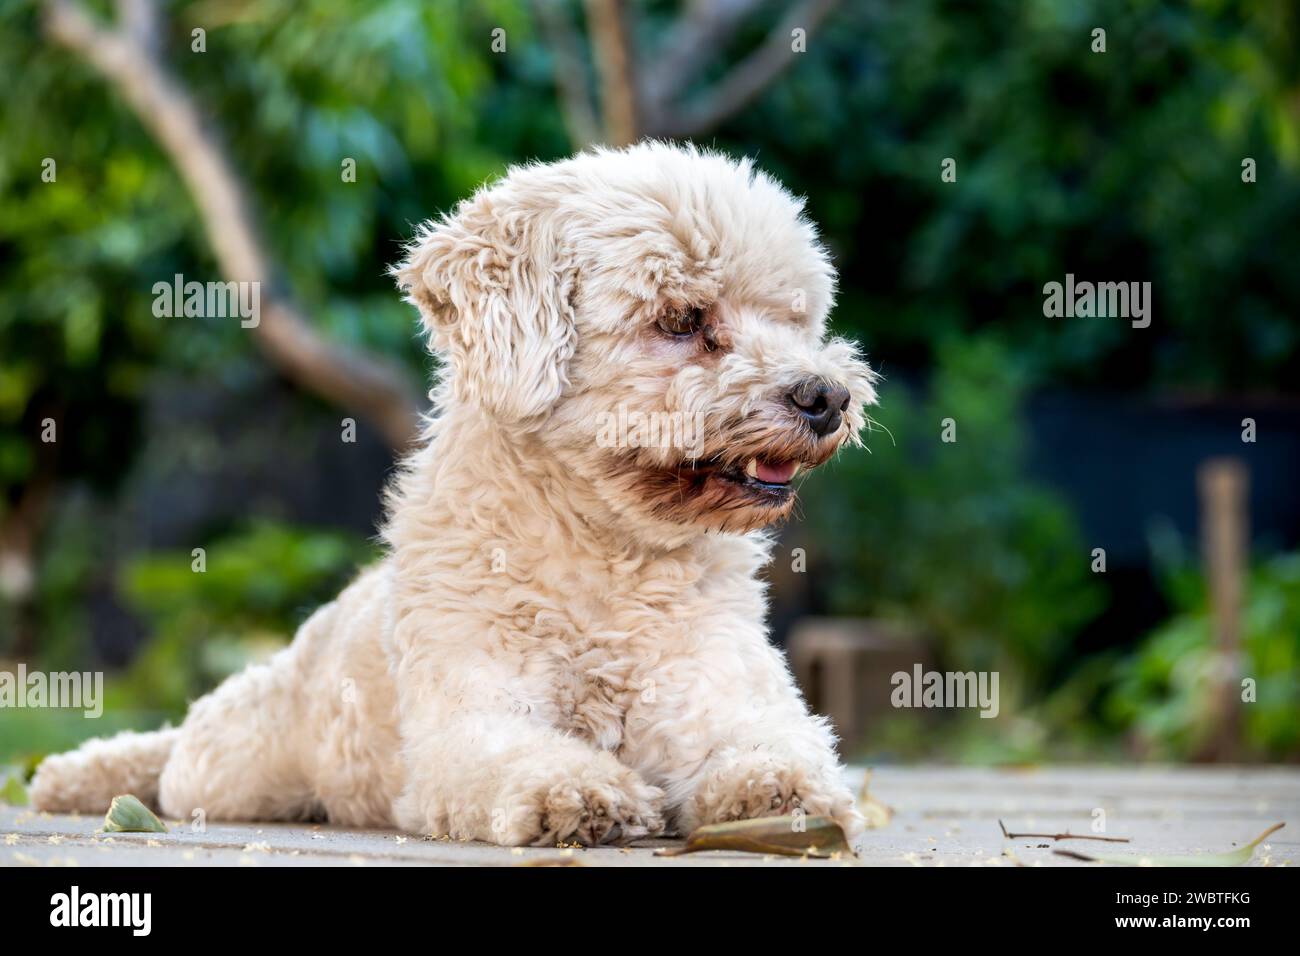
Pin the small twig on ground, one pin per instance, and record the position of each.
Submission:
(1067, 835)
(1238, 857)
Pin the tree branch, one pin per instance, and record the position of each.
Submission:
(607, 24)
(570, 74)
(746, 80)
(139, 21)
(698, 37)
(128, 59)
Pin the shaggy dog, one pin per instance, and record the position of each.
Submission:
(566, 640)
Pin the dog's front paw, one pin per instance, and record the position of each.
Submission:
(743, 785)
(590, 805)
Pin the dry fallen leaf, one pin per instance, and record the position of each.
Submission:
(552, 861)
(787, 836)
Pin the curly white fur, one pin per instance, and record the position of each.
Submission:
(566, 641)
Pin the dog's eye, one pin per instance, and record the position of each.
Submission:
(682, 322)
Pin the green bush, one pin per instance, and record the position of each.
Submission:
(259, 585)
(1164, 693)
(952, 536)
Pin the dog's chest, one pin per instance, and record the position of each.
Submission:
(592, 697)
(603, 665)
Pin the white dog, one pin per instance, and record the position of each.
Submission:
(566, 640)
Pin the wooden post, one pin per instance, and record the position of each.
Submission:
(844, 666)
(1223, 487)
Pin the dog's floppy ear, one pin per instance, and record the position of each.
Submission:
(495, 290)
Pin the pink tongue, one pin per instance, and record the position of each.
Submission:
(777, 474)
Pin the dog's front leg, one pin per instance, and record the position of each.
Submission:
(513, 781)
(777, 771)
(476, 770)
(734, 739)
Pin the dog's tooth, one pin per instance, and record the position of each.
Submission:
(751, 469)
(797, 466)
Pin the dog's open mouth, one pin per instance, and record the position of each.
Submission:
(743, 482)
(767, 478)
(763, 472)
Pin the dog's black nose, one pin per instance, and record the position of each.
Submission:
(822, 404)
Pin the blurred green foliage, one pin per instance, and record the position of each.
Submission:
(950, 535)
(258, 585)
(260, 582)
(1163, 693)
(292, 89)
(1122, 165)
(13, 789)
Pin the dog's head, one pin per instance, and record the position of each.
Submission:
(654, 318)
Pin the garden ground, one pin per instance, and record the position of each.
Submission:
(942, 816)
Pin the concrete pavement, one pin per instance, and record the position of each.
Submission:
(942, 816)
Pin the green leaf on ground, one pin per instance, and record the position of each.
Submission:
(12, 791)
(1237, 857)
(128, 815)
